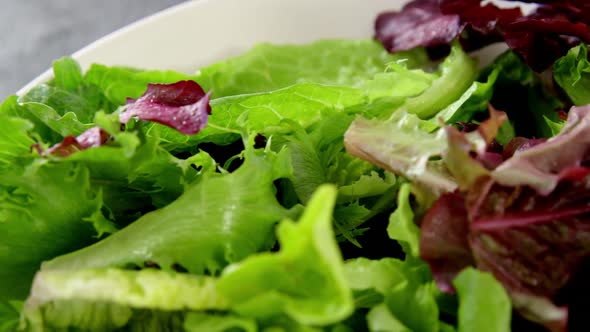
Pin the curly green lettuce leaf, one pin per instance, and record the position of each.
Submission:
(135, 173)
(318, 156)
(11, 107)
(269, 67)
(147, 300)
(205, 322)
(65, 105)
(572, 74)
(303, 280)
(42, 215)
(484, 305)
(220, 219)
(15, 142)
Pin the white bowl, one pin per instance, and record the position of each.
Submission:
(197, 33)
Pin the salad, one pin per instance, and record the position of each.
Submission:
(388, 184)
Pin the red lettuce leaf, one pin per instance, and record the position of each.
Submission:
(419, 23)
(183, 106)
(527, 222)
(544, 165)
(443, 240)
(540, 38)
(92, 137)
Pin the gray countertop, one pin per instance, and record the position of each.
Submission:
(33, 33)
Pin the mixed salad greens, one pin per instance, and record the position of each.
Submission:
(387, 185)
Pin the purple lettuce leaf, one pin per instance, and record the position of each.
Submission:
(183, 106)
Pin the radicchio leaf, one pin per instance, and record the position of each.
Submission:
(92, 137)
(183, 106)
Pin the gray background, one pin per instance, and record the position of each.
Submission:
(35, 32)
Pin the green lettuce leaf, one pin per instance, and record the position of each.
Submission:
(135, 174)
(42, 215)
(10, 107)
(404, 145)
(318, 156)
(64, 106)
(203, 322)
(15, 142)
(380, 319)
(9, 315)
(269, 67)
(572, 74)
(484, 305)
(415, 306)
(401, 223)
(532, 106)
(220, 219)
(304, 280)
(304, 98)
(474, 100)
(457, 73)
(119, 83)
(406, 290)
(147, 300)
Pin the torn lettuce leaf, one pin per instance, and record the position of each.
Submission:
(303, 280)
(218, 220)
(474, 100)
(572, 74)
(457, 73)
(149, 300)
(483, 302)
(402, 226)
(268, 67)
(402, 145)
